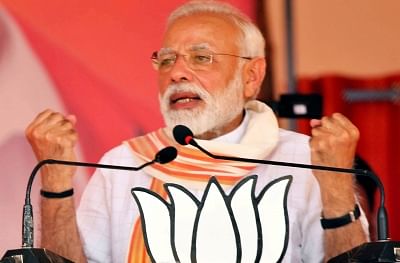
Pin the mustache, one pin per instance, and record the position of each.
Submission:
(185, 87)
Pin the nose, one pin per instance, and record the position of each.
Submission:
(180, 71)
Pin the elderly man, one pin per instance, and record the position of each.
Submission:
(210, 69)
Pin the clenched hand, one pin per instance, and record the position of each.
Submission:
(53, 136)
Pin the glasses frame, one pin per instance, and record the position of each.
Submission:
(156, 63)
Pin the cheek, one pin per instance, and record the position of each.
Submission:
(162, 84)
(212, 83)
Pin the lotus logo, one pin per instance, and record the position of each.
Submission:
(234, 227)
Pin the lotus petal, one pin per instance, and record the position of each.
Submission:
(184, 208)
(244, 209)
(216, 234)
(274, 220)
(156, 225)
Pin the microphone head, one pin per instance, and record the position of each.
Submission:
(182, 134)
(166, 155)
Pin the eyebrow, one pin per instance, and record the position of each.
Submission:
(200, 46)
(165, 50)
(195, 47)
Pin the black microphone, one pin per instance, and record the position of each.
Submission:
(163, 156)
(184, 136)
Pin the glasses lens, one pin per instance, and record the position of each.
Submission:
(196, 60)
(200, 59)
(166, 60)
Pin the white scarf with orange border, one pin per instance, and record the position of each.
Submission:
(193, 169)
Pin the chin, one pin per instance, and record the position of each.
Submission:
(199, 124)
(205, 123)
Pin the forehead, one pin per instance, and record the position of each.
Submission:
(216, 32)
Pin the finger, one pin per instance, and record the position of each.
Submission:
(345, 123)
(49, 128)
(55, 121)
(43, 115)
(38, 119)
(316, 144)
(54, 118)
(343, 127)
(67, 138)
(62, 126)
(315, 123)
(321, 127)
(334, 124)
(46, 120)
(328, 122)
(339, 120)
(318, 131)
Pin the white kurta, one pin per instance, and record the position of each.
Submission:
(108, 211)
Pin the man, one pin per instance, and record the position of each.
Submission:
(210, 69)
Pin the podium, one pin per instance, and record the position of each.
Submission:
(32, 255)
(371, 252)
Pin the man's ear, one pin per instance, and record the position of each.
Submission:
(253, 75)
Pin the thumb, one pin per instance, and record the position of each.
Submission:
(315, 123)
(71, 118)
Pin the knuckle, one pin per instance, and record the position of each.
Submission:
(315, 132)
(355, 132)
(54, 116)
(67, 124)
(31, 130)
(35, 134)
(318, 145)
(325, 119)
(337, 115)
(49, 137)
(28, 132)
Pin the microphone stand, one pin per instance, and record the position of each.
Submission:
(35, 255)
(383, 250)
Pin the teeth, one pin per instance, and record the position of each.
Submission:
(185, 100)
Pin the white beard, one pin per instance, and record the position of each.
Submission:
(220, 109)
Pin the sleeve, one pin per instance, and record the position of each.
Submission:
(312, 232)
(93, 219)
(107, 211)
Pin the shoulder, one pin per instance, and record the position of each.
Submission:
(286, 136)
(292, 146)
(119, 155)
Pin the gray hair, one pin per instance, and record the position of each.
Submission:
(251, 42)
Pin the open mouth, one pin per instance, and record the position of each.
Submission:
(184, 98)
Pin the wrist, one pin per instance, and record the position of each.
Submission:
(338, 207)
(56, 180)
(345, 219)
(57, 195)
(56, 186)
(338, 195)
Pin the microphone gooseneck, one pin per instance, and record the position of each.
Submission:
(184, 136)
(163, 156)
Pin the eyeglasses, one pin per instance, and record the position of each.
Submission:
(196, 59)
